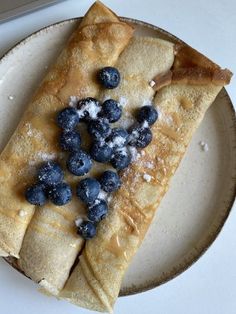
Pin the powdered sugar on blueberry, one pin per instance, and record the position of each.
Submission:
(145, 124)
(91, 108)
(102, 195)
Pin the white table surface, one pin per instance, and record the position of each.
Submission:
(209, 286)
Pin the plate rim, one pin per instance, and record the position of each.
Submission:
(228, 207)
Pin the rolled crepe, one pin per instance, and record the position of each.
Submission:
(135, 77)
(184, 92)
(39, 253)
(51, 244)
(46, 268)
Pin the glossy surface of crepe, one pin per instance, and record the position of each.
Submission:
(51, 244)
(96, 280)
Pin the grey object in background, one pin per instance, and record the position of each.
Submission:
(13, 8)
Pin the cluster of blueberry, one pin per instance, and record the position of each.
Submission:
(108, 145)
(50, 185)
(88, 190)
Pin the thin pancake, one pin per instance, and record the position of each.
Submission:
(106, 257)
(51, 244)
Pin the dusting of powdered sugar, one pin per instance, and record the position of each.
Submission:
(42, 156)
(147, 177)
(32, 132)
(97, 202)
(118, 141)
(145, 124)
(91, 108)
(102, 195)
(149, 165)
(135, 155)
(109, 199)
(123, 151)
(29, 131)
(78, 221)
(134, 135)
(22, 213)
(123, 101)
(73, 100)
(160, 160)
(46, 156)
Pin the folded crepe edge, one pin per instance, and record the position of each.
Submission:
(193, 68)
(97, 299)
(47, 288)
(5, 251)
(98, 13)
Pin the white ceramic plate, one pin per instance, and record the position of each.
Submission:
(202, 191)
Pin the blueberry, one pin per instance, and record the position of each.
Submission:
(60, 194)
(50, 173)
(99, 128)
(68, 118)
(118, 138)
(97, 211)
(86, 230)
(88, 108)
(110, 181)
(101, 152)
(111, 110)
(88, 190)
(79, 163)
(70, 140)
(120, 159)
(35, 195)
(147, 113)
(109, 77)
(140, 136)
